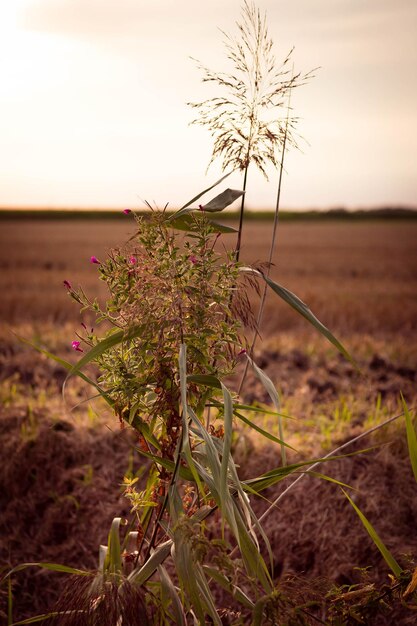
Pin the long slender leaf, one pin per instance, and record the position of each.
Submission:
(261, 431)
(273, 394)
(227, 444)
(199, 195)
(276, 475)
(105, 344)
(185, 434)
(113, 560)
(141, 574)
(219, 203)
(248, 547)
(207, 380)
(301, 308)
(169, 587)
(54, 567)
(228, 586)
(186, 570)
(68, 366)
(184, 472)
(388, 557)
(411, 437)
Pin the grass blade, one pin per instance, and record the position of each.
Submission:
(54, 567)
(113, 560)
(105, 344)
(261, 431)
(168, 585)
(141, 574)
(69, 367)
(299, 306)
(199, 195)
(388, 557)
(273, 394)
(411, 437)
(227, 444)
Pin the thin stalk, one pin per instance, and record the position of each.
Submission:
(322, 460)
(242, 211)
(332, 453)
(272, 246)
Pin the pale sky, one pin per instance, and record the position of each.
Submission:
(93, 101)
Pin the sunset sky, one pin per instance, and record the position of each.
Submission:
(93, 101)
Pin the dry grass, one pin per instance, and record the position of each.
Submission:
(359, 278)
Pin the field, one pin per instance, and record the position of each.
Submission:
(62, 465)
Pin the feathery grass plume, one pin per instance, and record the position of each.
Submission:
(243, 122)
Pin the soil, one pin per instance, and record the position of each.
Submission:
(60, 482)
(61, 472)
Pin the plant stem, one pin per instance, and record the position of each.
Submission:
(242, 210)
(272, 246)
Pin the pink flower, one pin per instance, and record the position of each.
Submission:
(94, 259)
(193, 259)
(67, 284)
(127, 211)
(132, 260)
(76, 346)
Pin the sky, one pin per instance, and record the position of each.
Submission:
(93, 100)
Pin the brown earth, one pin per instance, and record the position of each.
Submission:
(60, 474)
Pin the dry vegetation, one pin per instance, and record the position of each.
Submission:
(59, 484)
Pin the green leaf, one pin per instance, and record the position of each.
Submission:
(54, 567)
(223, 200)
(299, 306)
(227, 445)
(184, 472)
(141, 574)
(279, 473)
(68, 366)
(169, 588)
(411, 437)
(105, 344)
(261, 431)
(186, 570)
(199, 195)
(143, 428)
(388, 557)
(205, 379)
(185, 434)
(273, 394)
(228, 586)
(113, 560)
(215, 205)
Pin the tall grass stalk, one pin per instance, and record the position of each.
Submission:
(243, 121)
(272, 246)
